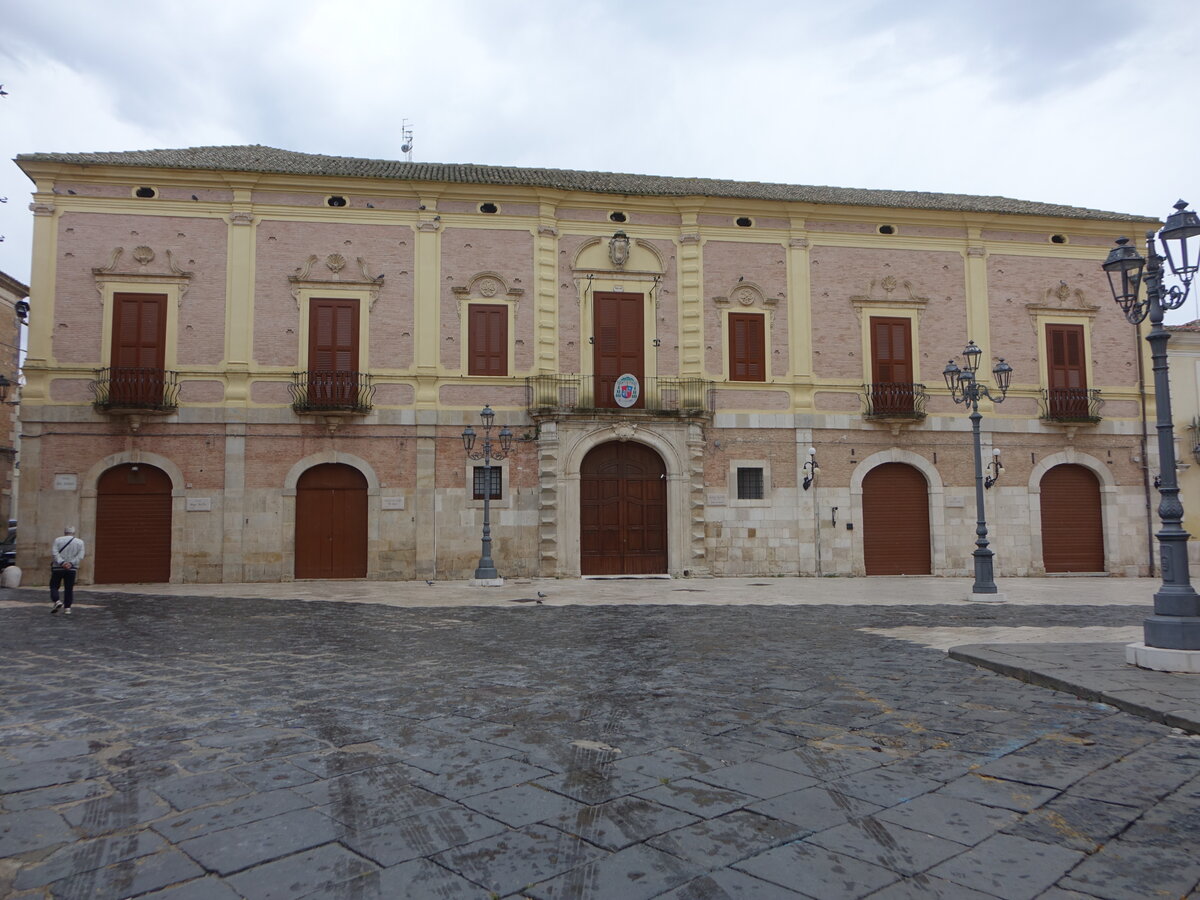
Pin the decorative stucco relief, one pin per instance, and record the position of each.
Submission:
(748, 294)
(142, 271)
(889, 291)
(488, 286)
(334, 263)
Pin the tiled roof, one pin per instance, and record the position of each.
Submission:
(1193, 325)
(257, 158)
(10, 284)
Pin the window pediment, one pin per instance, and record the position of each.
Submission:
(305, 278)
(746, 294)
(486, 287)
(1059, 300)
(892, 292)
(142, 269)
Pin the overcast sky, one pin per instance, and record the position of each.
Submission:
(1065, 101)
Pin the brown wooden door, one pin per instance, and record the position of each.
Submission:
(1072, 527)
(891, 366)
(619, 345)
(139, 339)
(896, 521)
(623, 511)
(332, 352)
(133, 526)
(1067, 372)
(331, 523)
(747, 347)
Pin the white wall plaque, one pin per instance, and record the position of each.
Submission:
(392, 502)
(66, 482)
(626, 390)
(199, 504)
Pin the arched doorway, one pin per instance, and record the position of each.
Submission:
(331, 522)
(133, 525)
(896, 521)
(1072, 527)
(623, 511)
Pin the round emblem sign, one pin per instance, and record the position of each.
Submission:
(627, 390)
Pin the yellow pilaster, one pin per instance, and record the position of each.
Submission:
(42, 289)
(799, 306)
(977, 294)
(546, 279)
(691, 301)
(426, 285)
(239, 295)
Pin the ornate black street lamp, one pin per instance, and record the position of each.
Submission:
(1175, 624)
(486, 570)
(965, 388)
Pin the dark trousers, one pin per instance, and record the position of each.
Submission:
(65, 577)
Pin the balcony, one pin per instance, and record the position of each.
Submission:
(335, 393)
(889, 401)
(144, 391)
(576, 395)
(1071, 406)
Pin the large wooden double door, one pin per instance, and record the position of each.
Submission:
(331, 523)
(623, 511)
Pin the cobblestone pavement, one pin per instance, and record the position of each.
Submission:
(196, 748)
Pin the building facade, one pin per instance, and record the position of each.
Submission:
(14, 312)
(250, 364)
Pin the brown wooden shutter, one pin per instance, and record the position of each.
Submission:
(1065, 347)
(332, 352)
(487, 340)
(747, 347)
(891, 366)
(891, 351)
(138, 349)
(139, 331)
(333, 336)
(1068, 374)
(619, 344)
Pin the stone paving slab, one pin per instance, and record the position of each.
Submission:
(204, 748)
(1095, 672)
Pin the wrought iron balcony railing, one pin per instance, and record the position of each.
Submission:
(340, 391)
(894, 400)
(1071, 405)
(580, 394)
(121, 388)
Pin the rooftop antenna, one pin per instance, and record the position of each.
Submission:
(406, 134)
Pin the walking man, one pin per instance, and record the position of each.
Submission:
(67, 553)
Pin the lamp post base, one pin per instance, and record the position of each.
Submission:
(1186, 661)
(487, 582)
(995, 597)
(1171, 632)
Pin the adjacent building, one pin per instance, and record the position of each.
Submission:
(14, 312)
(251, 364)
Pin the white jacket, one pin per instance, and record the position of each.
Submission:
(68, 549)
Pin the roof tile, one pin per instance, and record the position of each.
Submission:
(271, 160)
